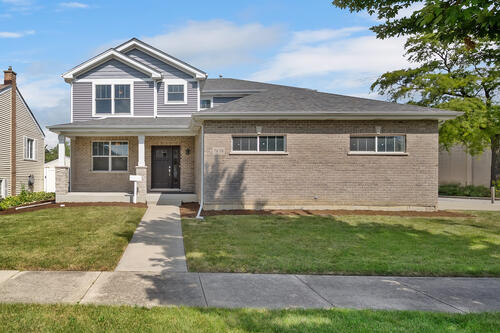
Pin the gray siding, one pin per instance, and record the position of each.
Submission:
(26, 126)
(192, 100)
(113, 69)
(143, 98)
(168, 71)
(5, 97)
(82, 101)
(223, 100)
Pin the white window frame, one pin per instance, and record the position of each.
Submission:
(211, 99)
(25, 149)
(376, 152)
(173, 82)
(3, 188)
(112, 83)
(258, 151)
(109, 156)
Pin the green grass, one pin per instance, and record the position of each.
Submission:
(365, 245)
(71, 238)
(79, 318)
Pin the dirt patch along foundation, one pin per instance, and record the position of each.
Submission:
(13, 210)
(189, 210)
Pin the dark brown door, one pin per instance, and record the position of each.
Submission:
(165, 167)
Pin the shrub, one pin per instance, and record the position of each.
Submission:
(25, 197)
(465, 191)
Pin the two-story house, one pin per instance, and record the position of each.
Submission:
(21, 141)
(230, 143)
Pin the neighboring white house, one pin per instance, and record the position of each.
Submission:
(49, 174)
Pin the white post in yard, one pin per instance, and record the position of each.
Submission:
(142, 151)
(61, 151)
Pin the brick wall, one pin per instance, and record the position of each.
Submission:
(317, 170)
(83, 179)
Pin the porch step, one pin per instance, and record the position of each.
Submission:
(175, 199)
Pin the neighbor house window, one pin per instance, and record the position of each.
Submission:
(378, 144)
(261, 143)
(112, 99)
(175, 91)
(109, 156)
(205, 104)
(29, 149)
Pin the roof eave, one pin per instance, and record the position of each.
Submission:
(406, 115)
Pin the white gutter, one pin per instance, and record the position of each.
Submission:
(405, 115)
(202, 197)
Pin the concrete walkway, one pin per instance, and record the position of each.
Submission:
(157, 244)
(252, 290)
(467, 204)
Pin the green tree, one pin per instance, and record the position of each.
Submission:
(465, 20)
(53, 153)
(451, 76)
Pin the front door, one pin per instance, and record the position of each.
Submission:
(165, 167)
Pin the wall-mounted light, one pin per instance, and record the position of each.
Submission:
(258, 129)
(188, 151)
(378, 129)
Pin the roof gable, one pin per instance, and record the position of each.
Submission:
(106, 56)
(134, 43)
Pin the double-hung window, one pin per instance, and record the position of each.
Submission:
(378, 144)
(29, 149)
(109, 156)
(175, 91)
(260, 143)
(113, 99)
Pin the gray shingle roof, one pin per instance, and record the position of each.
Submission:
(127, 123)
(277, 99)
(229, 84)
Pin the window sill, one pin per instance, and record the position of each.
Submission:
(102, 171)
(175, 103)
(258, 153)
(30, 160)
(367, 153)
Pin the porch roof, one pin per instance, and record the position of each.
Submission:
(125, 124)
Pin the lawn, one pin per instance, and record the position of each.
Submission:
(364, 245)
(71, 238)
(80, 318)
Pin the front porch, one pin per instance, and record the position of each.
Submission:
(152, 198)
(102, 164)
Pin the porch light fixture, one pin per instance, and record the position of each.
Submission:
(258, 129)
(188, 151)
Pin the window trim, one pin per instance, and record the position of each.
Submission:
(174, 82)
(258, 152)
(109, 156)
(112, 83)
(25, 146)
(376, 152)
(3, 188)
(211, 99)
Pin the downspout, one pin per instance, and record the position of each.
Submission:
(198, 216)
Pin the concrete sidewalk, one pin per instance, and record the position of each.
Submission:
(157, 244)
(467, 204)
(252, 290)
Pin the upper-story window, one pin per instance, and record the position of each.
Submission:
(205, 103)
(175, 91)
(112, 99)
(29, 149)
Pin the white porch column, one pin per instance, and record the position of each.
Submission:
(141, 151)
(61, 151)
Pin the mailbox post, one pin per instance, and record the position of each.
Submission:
(135, 179)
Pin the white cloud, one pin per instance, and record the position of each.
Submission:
(48, 97)
(9, 34)
(216, 43)
(73, 5)
(332, 52)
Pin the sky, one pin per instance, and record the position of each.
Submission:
(308, 44)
